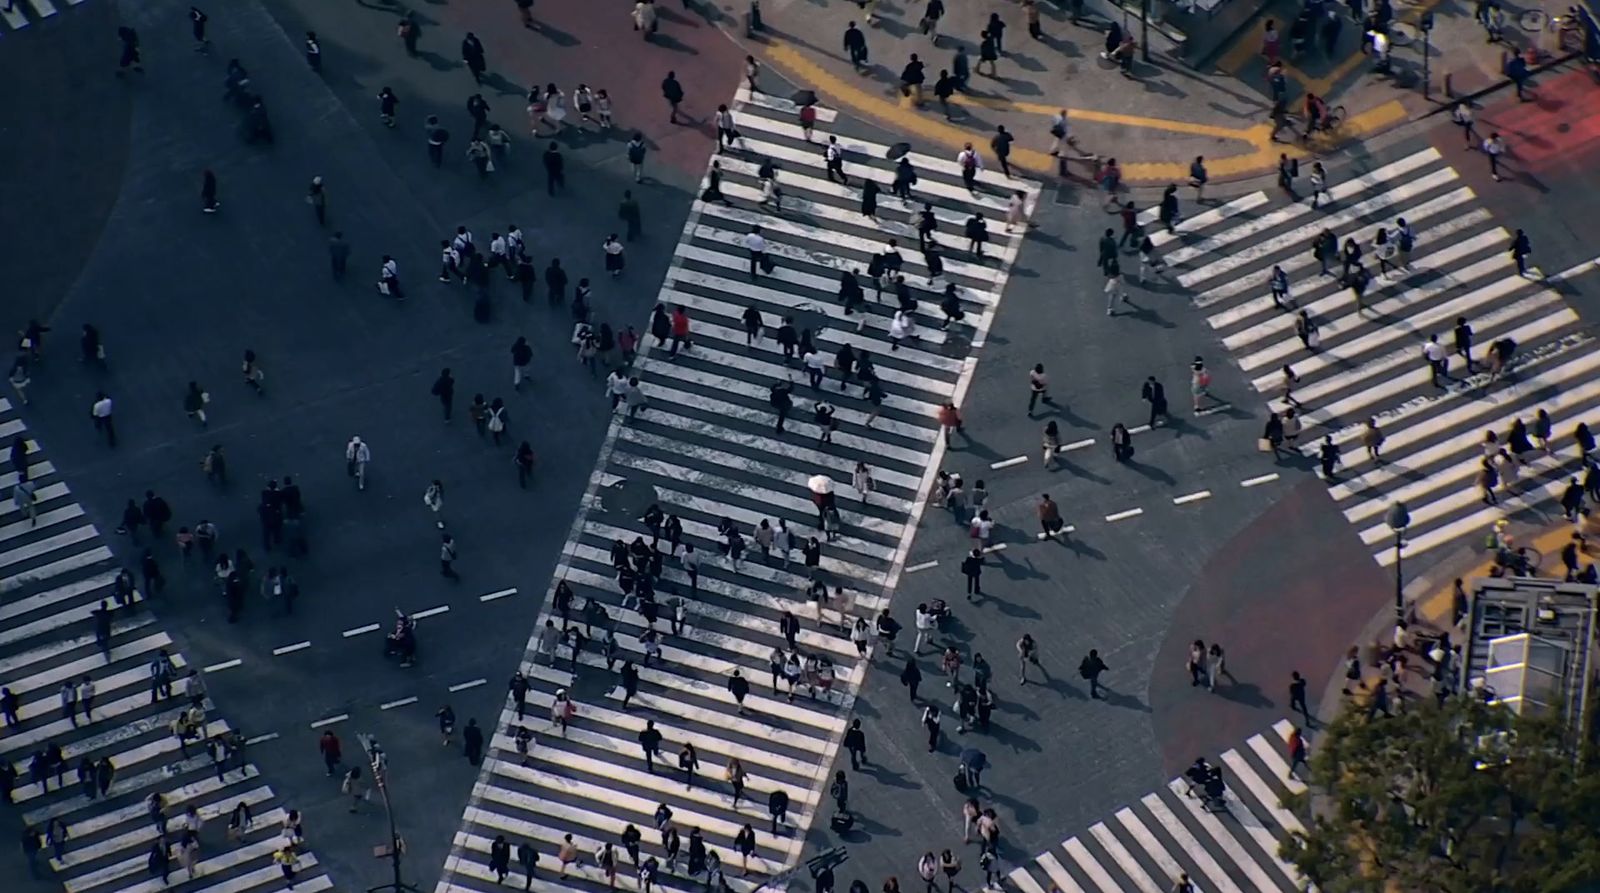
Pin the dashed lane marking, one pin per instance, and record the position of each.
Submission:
(290, 649)
(1122, 516)
(261, 739)
(1076, 445)
(494, 595)
(225, 665)
(400, 703)
(1007, 463)
(1258, 481)
(463, 686)
(431, 612)
(923, 566)
(330, 720)
(1192, 497)
(997, 547)
(360, 630)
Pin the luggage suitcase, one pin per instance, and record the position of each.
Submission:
(842, 822)
(961, 781)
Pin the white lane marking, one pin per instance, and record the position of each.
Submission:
(225, 665)
(330, 720)
(997, 547)
(1212, 409)
(1007, 463)
(1564, 275)
(1259, 480)
(1121, 516)
(1192, 497)
(262, 739)
(359, 630)
(400, 703)
(1077, 445)
(463, 686)
(1139, 430)
(431, 612)
(923, 566)
(494, 595)
(290, 649)
(1041, 536)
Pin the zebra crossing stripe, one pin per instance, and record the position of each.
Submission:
(705, 448)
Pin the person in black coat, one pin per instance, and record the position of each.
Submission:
(911, 676)
(472, 742)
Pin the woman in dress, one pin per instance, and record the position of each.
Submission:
(614, 259)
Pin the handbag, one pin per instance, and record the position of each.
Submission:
(1314, 339)
(383, 286)
(1264, 445)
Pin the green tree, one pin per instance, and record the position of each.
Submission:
(1463, 797)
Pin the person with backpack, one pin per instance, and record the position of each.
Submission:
(1090, 669)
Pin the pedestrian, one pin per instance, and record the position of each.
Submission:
(1295, 744)
(910, 674)
(444, 388)
(628, 211)
(100, 413)
(672, 91)
(1199, 384)
(1521, 247)
(555, 178)
(130, 57)
(313, 49)
(1493, 148)
(1090, 668)
(472, 55)
(1297, 696)
(1328, 456)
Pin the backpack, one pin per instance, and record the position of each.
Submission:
(1084, 669)
(496, 421)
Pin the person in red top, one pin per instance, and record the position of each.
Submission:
(331, 750)
(1295, 744)
(950, 421)
(808, 120)
(680, 329)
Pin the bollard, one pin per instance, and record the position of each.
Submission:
(752, 19)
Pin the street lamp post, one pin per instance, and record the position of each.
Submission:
(378, 761)
(1398, 520)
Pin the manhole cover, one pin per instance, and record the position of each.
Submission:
(627, 497)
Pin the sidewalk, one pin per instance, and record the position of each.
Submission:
(1154, 122)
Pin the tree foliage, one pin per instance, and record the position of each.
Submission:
(1463, 797)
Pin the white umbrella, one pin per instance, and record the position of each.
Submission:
(820, 484)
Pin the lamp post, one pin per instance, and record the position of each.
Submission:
(1425, 24)
(1144, 29)
(1398, 520)
(379, 763)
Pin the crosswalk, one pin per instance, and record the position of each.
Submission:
(1370, 364)
(56, 570)
(19, 14)
(705, 450)
(1145, 846)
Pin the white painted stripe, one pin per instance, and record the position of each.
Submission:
(431, 612)
(1064, 530)
(43, 520)
(1223, 837)
(37, 469)
(361, 630)
(1220, 406)
(842, 466)
(661, 396)
(1265, 752)
(1192, 497)
(1464, 419)
(1022, 880)
(463, 686)
(1241, 205)
(1124, 859)
(1076, 445)
(1275, 221)
(403, 702)
(782, 106)
(53, 597)
(48, 544)
(1189, 845)
(67, 565)
(1058, 874)
(14, 18)
(44, 8)
(1313, 282)
(261, 739)
(922, 566)
(61, 618)
(828, 285)
(1243, 771)
(1259, 480)
(10, 664)
(1007, 463)
(1472, 524)
(137, 811)
(1139, 429)
(130, 866)
(997, 547)
(601, 718)
(105, 686)
(738, 221)
(1489, 327)
(328, 721)
(1464, 493)
(142, 837)
(1090, 866)
(498, 594)
(49, 679)
(225, 665)
(1130, 513)
(1148, 842)
(290, 649)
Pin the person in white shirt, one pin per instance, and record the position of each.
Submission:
(816, 367)
(924, 628)
(901, 328)
(756, 244)
(971, 163)
(1438, 359)
(100, 412)
(357, 454)
(616, 387)
(389, 278)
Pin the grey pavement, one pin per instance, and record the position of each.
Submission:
(179, 295)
